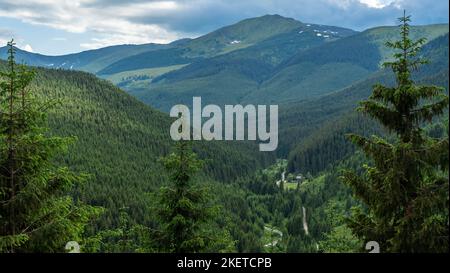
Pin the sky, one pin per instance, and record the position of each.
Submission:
(60, 27)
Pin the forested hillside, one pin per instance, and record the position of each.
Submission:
(303, 120)
(119, 142)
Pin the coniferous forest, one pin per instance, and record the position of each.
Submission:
(87, 163)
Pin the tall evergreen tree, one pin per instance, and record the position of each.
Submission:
(185, 210)
(36, 214)
(405, 190)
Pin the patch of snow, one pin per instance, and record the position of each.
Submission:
(50, 64)
(71, 67)
(300, 32)
(319, 34)
(235, 42)
(326, 36)
(308, 25)
(316, 30)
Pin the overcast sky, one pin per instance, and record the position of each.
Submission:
(59, 27)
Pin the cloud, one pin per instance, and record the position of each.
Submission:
(377, 4)
(206, 15)
(110, 22)
(28, 48)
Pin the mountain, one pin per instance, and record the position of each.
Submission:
(312, 66)
(250, 32)
(253, 46)
(343, 61)
(268, 30)
(229, 77)
(89, 61)
(267, 59)
(226, 39)
(103, 61)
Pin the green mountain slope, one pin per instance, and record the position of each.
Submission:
(335, 65)
(90, 61)
(230, 77)
(269, 35)
(246, 33)
(121, 139)
(150, 59)
(291, 66)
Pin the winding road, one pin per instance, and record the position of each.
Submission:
(305, 223)
(278, 232)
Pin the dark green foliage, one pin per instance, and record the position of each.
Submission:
(328, 145)
(127, 237)
(253, 69)
(36, 212)
(184, 208)
(406, 188)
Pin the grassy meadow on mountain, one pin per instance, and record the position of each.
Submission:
(114, 101)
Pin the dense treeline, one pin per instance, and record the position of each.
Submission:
(329, 144)
(118, 143)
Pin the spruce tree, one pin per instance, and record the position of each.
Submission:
(185, 210)
(36, 213)
(405, 189)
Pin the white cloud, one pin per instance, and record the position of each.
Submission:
(377, 4)
(28, 48)
(374, 4)
(109, 24)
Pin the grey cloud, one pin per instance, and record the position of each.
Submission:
(200, 16)
(195, 17)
